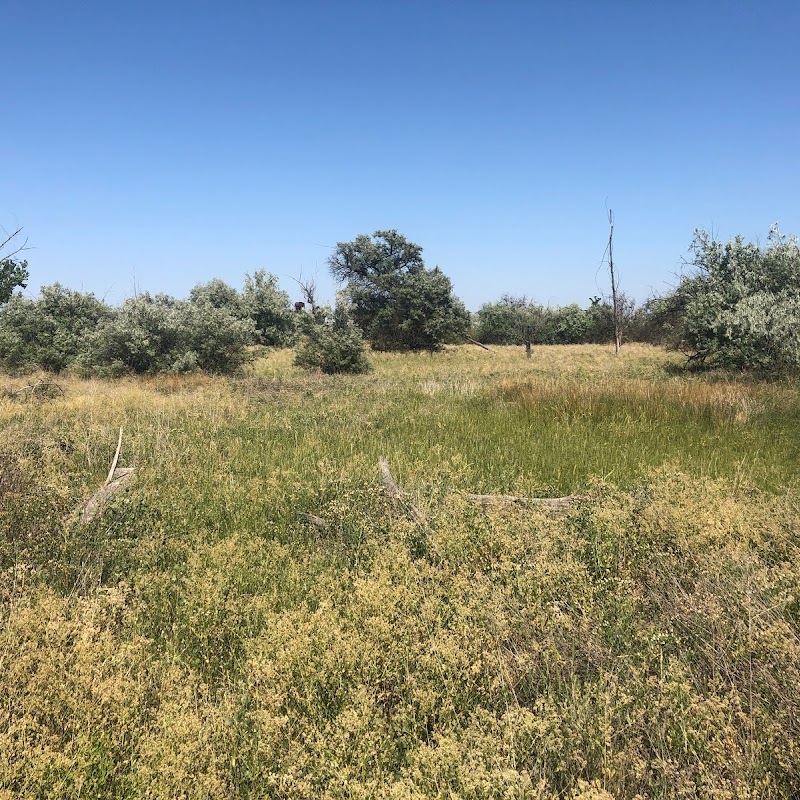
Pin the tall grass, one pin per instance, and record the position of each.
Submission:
(201, 640)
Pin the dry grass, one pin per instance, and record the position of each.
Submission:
(201, 640)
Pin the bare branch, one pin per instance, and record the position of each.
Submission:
(396, 493)
(9, 238)
(507, 500)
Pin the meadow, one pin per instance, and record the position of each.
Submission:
(201, 639)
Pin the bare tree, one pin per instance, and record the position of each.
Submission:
(616, 297)
(308, 287)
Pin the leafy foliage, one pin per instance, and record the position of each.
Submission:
(13, 272)
(212, 331)
(49, 332)
(397, 302)
(269, 308)
(142, 337)
(332, 343)
(741, 308)
(517, 320)
(13, 275)
(159, 334)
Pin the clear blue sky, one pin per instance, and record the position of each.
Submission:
(174, 142)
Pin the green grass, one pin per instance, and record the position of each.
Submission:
(201, 640)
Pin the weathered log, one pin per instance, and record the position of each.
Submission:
(121, 477)
(394, 491)
(506, 500)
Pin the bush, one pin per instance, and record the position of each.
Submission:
(517, 320)
(741, 309)
(142, 337)
(217, 338)
(269, 309)
(159, 334)
(332, 343)
(49, 332)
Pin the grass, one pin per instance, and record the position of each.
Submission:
(201, 640)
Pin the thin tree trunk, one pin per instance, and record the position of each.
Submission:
(614, 296)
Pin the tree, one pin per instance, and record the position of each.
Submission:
(741, 307)
(513, 320)
(13, 272)
(397, 302)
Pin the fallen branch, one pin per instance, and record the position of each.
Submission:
(32, 388)
(97, 502)
(118, 478)
(116, 458)
(396, 494)
(473, 341)
(506, 500)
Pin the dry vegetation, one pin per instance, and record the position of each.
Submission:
(202, 640)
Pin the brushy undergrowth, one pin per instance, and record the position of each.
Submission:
(200, 640)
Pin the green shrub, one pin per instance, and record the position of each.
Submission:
(150, 334)
(48, 332)
(741, 309)
(332, 343)
(269, 309)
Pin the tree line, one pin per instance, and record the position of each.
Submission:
(738, 307)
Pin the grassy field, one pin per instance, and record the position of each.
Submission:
(202, 640)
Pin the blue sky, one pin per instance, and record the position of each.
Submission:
(169, 143)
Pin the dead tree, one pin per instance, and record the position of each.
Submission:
(616, 298)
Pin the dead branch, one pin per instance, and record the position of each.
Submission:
(396, 494)
(10, 237)
(507, 500)
(97, 502)
(116, 458)
(33, 388)
(118, 478)
(473, 341)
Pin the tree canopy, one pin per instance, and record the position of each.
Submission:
(395, 299)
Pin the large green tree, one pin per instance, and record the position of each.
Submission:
(395, 299)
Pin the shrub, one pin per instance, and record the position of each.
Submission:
(741, 308)
(142, 337)
(217, 337)
(159, 334)
(269, 309)
(332, 343)
(48, 332)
